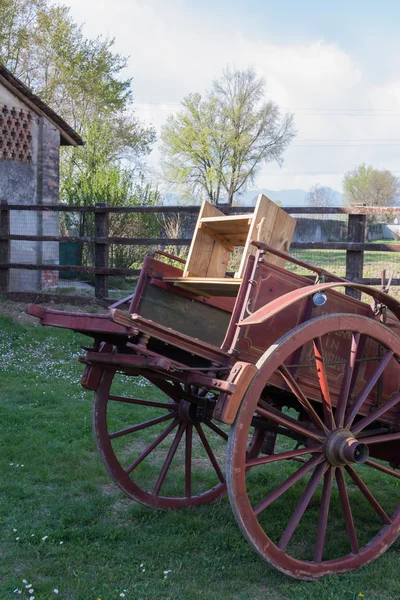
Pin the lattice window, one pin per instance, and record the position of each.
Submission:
(15, 134)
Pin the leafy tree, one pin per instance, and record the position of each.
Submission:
(215, 147)
(17, 18)
(43, 46)
(320, 196)
(78, 77)
(81, 79)
(373, 187)
(95, 174)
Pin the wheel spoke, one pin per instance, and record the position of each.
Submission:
(217, 429)
(264, 460)
(383, 468)
(272, 414)
(188, 460)
(168, 460)
(323, 383)
(381, 439)
(164, 405)
(302, 506)
(323, 514)
(348, 517)
(143, 425)
(368, 387)
(283, 487)
(210, 453)
(152, 446)
(304, 401)
(360, 425)
(364, 490)
(347, 379)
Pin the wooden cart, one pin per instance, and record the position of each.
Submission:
(264, 368)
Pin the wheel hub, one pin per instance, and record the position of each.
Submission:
(191, 413)
(342, 448)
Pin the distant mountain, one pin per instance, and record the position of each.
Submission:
(285, 197)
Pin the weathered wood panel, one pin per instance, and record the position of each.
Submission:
(272, 226)
(207, 257)
(195, 319)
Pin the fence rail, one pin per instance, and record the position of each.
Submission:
(357, 209)
(101, 241)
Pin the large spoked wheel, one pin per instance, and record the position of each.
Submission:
(160, 449)
(321, 504)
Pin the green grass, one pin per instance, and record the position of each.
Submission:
(335, 261)
(78, 533)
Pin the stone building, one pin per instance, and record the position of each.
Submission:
(31, 134)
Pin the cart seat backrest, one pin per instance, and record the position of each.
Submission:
(217, 235)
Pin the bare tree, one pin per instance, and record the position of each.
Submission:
(320, 196)
(173, 228)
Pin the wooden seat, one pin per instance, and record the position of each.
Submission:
(207, 286)
(215, 238)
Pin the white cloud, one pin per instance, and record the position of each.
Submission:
(173, 52)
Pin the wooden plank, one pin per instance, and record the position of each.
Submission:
(207, 256)
(356, 246)
(4, 247)
(217, 237)
(213, 286)
(99, 240)
(101, 252)
(261, 228)
(75, 268)
(135, 272)
(265, 211)
(225, 208)
(281, 237)
(355, 259)
(234, 220)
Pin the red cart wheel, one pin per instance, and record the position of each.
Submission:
(162, 450)
(339, 509)
(153, 447)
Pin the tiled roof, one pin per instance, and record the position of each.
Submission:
(69, 137)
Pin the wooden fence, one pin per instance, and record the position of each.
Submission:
(355, 246)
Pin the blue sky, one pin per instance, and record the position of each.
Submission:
(333, 64)
(344, 22)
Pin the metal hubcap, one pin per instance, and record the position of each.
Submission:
(342, 448)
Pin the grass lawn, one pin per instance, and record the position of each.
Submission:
(67, 527)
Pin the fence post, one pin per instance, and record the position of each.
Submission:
(101, 250)
(355, 258)
(4, 246)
